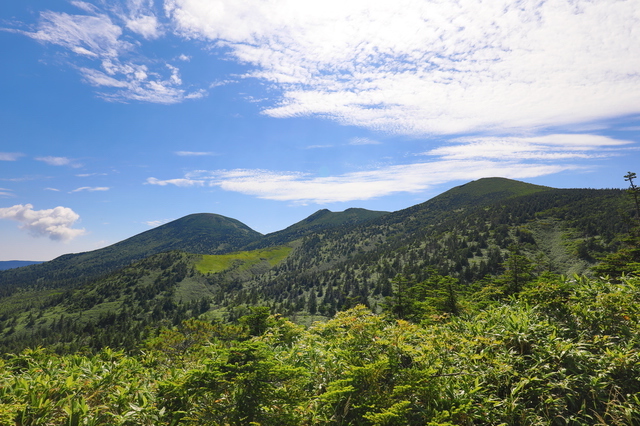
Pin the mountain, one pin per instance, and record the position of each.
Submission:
(321, 265)
(10, 264)
(321, 220)
(203, 233)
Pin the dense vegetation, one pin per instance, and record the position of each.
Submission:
(563, 351)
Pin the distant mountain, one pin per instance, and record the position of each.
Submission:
(10, 264)
(470, 195)
(321, 220)
(202, 233)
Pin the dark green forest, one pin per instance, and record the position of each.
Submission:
(497, 302)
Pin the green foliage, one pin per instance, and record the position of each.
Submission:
(239, 386)
(518, 270)
(627, 259)
(418, 301)
(562, 351)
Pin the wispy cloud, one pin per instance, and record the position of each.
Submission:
(54, 223)
(462, 159)
(177, 182)
(98, 38)
(52, 189)
(155, 223)
(418, 67)
(90, 174)
(194, 153)
(319, 146)
(6, 193)
(549, 147)
(90, 189)
(10, 156)
(303, 188)
(59, 161)
(363, 141)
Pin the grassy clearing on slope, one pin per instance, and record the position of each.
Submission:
(222, 262)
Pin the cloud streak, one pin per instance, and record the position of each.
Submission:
(549, 147)
(10, 156)
(194, 153)
(301, 188)
(462, 159)
(56, 223)
(6, 193)
(90, 189)
(58, 161)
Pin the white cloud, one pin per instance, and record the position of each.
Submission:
(194, 153)
(136, 82)
(155, 223)
(6, 193)
(177, 182)
(463, 159)
(415, 67)
(90, 189)
(59, 161)
(10, 156)
(54, 223)
(52, 189)
(305, 189)
(319, 146)
(363, 141)
(430, 67)
(115, 66)
(146, 25)
(549, 147)
(55, 161)
(90, 174)
(141, 19)
(90, 35)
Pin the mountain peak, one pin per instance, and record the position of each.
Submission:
(201, 233)
(504, 186)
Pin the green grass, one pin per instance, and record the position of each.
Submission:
(243, 259)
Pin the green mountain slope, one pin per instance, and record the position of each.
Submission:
(563, 231)
(121, 308)
(202, 233)
(321, 220)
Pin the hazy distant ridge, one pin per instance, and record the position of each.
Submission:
(10, 264)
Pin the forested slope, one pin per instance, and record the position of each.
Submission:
(202, 233)
(564, 351)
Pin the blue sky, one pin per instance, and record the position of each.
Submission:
(122, 115)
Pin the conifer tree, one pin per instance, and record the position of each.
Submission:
(518, 270)
(627, 259)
